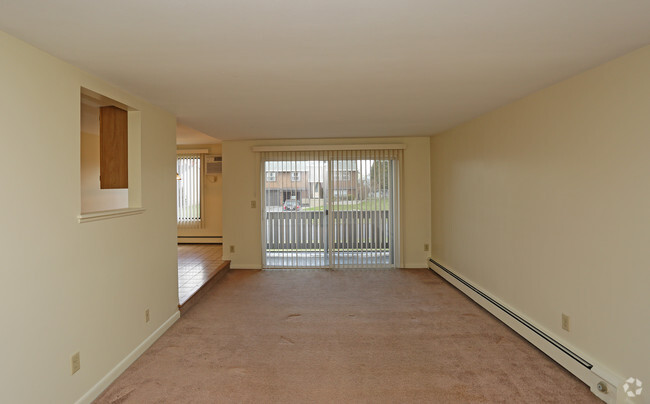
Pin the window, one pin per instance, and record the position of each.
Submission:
(295, 176)
(188, 191)
(271, 176)
(344, 175)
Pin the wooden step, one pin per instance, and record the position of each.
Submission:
(200, 292)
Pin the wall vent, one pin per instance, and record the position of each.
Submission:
(212, 165)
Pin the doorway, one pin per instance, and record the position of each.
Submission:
(330, 209)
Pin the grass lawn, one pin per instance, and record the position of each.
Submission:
(192, 211)
(371, 204)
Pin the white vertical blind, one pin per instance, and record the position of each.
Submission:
(294, 217)
(189, 192)
(330, 208)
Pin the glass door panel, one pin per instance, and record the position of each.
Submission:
(325, 209)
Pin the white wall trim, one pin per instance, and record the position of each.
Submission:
(98, 388)
(381, 146)
(412, 265)
(108, 214)
(192, 151)
(590, 377)
(199, 240)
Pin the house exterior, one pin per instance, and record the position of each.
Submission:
(305, 181)
(346, 181)
(286, 180)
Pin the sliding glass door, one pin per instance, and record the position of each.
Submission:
(330, 209)
(294, 218)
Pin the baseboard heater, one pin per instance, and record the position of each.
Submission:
(515, 316)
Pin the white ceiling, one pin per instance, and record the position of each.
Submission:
(237, 69)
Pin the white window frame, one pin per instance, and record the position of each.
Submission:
(271, 176)
(295, 176)
(282, 239)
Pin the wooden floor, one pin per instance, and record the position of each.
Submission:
(197, 264)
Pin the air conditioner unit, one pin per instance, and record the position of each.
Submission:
(212, 165)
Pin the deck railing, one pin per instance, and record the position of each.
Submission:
(306, 230)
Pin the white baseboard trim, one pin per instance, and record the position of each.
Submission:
(413, 265)
(591, 377)
(98, 388)
(199, 240)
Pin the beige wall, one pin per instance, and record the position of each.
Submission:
(68, 286)
(212, 192)
(241, 223)
(545, 204)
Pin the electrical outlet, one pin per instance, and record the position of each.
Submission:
(253, 204)
(565, 322)
(75, 362)
(232, 249)
(146, 316)
(426, 247)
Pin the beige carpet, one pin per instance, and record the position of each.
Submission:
(317, 336)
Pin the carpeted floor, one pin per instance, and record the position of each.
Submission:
(318, 336)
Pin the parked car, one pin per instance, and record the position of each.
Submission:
(291, 204)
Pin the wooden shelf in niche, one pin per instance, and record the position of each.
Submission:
(113, 148)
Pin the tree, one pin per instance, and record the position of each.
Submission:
(379, 175)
